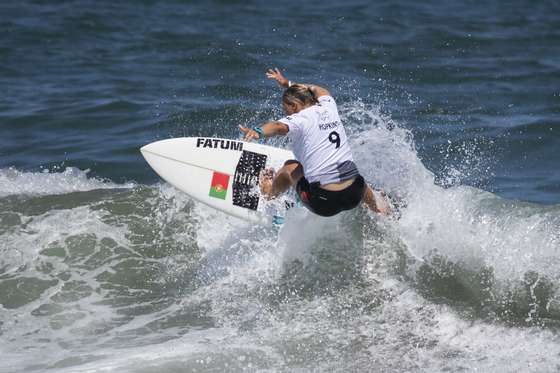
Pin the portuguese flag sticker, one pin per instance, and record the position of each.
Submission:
(219, 186)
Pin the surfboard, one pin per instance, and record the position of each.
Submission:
(221, 173)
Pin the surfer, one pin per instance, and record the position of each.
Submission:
(326, 178)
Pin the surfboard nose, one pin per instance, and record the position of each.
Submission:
(150, 148)
(145, 151)
(156, 148)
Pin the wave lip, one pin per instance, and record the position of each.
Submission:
(72, 179)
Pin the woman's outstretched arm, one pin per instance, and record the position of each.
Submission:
(275, 74)
(268, 129)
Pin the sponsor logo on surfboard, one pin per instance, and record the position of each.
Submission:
(202, 142)
(219, 185)
(246, 179)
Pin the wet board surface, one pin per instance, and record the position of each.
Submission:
(221, 173)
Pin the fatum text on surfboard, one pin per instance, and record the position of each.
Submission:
(219, 144)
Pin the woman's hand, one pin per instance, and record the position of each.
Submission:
(266, 130)
(249, 133)
(277, 75)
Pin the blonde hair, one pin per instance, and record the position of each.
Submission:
(301, 93)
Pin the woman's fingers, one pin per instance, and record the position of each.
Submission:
(274, 74)
(250, 134)
(277, 75)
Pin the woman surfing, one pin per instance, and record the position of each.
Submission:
(326, 178)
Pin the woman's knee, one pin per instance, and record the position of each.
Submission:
(292, 169)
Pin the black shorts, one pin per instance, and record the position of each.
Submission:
(328, 203)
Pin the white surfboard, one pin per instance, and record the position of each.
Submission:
(221, 173)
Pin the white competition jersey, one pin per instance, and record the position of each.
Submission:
(320, 143)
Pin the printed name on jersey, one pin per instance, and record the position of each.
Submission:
(328, 126)
(202, 142)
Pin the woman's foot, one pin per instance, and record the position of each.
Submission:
(377, 201)
(382, 202)
(265, 182)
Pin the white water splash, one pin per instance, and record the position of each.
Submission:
(15, 182)
(465, 224)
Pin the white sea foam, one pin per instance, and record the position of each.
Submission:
(54, 229)
(407, 334)
(13, 181)
(464, 224)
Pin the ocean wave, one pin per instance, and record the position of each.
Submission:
(465, 246)
(71, 179)
(179, 284)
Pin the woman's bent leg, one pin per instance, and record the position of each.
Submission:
(286, 177)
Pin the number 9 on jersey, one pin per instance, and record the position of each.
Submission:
(334, 137)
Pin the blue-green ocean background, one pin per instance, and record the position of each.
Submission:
(86, 83)
(454, 106)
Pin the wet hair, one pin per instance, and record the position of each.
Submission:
(299, 93)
